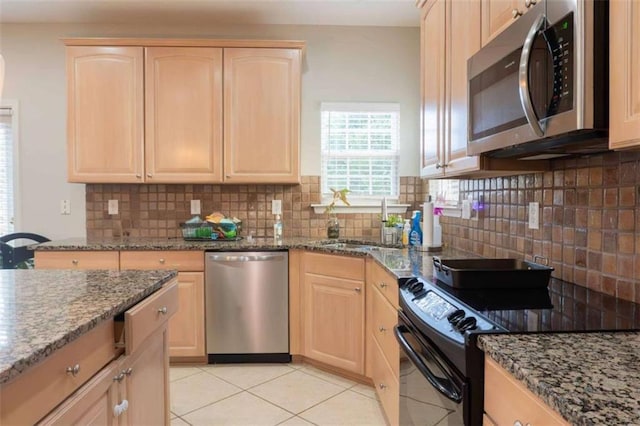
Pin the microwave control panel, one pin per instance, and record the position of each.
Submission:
(559, 38)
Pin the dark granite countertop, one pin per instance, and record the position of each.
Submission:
(43, 310)
(401, 262)
(589, 378)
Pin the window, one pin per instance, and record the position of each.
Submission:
(360, 149)
(6, 170)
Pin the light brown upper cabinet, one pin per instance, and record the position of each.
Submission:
(262, 115)
(154, 113)
(105, 113)
(445, 51)
(624, 88)
(499, 14)
(183, 100)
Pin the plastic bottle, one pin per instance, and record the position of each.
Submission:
(277, 231)
(406, 231)
(415, 236)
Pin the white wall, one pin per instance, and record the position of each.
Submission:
(376, 64)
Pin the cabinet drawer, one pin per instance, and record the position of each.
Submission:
(507, 401)
(383, 318)
(384, 281)
(386, 384)
(180, 260)
(351, 268)
(77, 259)
(37, 391)
(147, 316)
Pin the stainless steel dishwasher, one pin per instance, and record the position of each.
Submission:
(247, 306)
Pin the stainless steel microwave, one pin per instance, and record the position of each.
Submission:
(540, 88)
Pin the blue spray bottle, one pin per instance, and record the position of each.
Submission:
(415, 236)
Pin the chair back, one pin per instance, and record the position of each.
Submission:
(12, 256)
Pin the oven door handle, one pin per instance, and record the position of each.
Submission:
(525, 94)
(454, 394)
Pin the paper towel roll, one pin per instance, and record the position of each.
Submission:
(427, 224)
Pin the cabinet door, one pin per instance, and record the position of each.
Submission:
(432, 117)
(498, 15)
(183, 100)
(105, 114)
(624, 113)
(146, 382)
(92, 404)
(261, 115)
(460, 46)
(186, 327)
(334, 321)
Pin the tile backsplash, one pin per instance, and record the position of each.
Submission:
(157, 210)
(589, 220)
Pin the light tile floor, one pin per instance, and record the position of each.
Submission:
(269, 394)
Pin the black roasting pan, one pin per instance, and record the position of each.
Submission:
(491, 273)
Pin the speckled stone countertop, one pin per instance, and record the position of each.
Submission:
(43, 310)
(589, 378)
(401, 262)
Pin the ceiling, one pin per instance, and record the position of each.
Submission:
(402, 13)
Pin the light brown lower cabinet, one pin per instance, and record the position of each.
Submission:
(186, 328)
(508, 402)
(333, 295)
(130, 388)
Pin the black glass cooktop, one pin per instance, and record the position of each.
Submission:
(560, 307)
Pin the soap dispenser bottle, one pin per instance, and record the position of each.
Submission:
(277, 231)
(405, 232)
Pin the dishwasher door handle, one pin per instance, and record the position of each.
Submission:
(245, 258)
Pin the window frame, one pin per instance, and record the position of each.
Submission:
(389, 107)
(13, 105)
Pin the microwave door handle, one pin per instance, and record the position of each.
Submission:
(525, 94)
(453, 394)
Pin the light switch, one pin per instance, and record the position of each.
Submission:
(113, 207)
(276, 206)
(195, 206)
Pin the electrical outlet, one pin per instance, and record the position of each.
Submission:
(276, 206)
(65, 207)
(195, 206)
(113, 207)
(534, 215)
(466, 209)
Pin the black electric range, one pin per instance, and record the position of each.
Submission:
(439, 325)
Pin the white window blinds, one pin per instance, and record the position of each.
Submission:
(6, 171)
(360, 148)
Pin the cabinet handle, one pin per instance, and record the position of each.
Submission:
(149, 175)
(382, 284)
(358, 289)
(516, 13)
(162, 311)
(73, 370)
(530, 3)
(119, 377)
(162, 261)
(382, 386)
(138, 176)
(128, 371)
(382, 329)
(442, 166)
(74, 261)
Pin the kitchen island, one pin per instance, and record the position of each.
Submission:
(588, 378)
(59, 329)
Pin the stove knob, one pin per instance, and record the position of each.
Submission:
(408, 283)
(455, 317)
(415, 288)
(469, 323)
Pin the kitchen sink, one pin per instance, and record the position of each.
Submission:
(356, 247)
